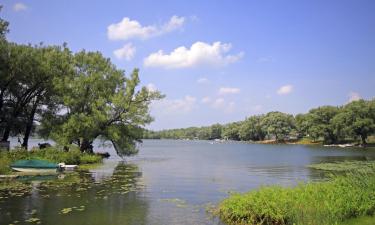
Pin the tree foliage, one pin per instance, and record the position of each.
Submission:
(327, 123)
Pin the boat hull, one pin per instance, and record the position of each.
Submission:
(35, 170)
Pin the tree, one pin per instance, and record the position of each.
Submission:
(278, 124)
(215, 131)
(231, 131)
(302, 124)
(252, 129)
(356, 119)
(98, 100)
(319, 123)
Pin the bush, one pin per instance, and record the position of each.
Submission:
(308, 203)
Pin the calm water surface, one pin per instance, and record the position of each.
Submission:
(168, 182)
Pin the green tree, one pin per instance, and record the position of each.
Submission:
(320, 124)
(98, 100)
(231, 131)
(356, 120)
(252, 129)
(215, 131)
(278, 124)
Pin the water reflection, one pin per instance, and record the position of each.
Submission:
(79, 199)
(169, 182)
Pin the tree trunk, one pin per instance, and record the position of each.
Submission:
(29, 125)
(6, 133)
(363, 138)
(86, 146)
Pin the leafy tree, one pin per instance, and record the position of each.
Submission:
(302, 124)
(98, 100)
(215, 131)
(278, 124)
(252, 129)
(320, 124)
(355, 119)
(231, 131)
(3, 26)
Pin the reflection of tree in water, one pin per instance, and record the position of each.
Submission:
(115, 200)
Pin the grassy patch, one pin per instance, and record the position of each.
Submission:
(307, 141)
(363, 220)
(74, 156)
(328, 202)
(346, 166)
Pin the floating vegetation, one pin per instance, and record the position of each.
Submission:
(66, 210)
(33, 220)
(346, 166)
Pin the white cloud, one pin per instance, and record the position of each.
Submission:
(172, 106)
(228, 90)
(219, 103)
(200, 53)
(206, 100)
(151, 87)
(174, 23)
(19, 7)
(284, 90)
(202, 80)
(131, 29)
(354, 96)
(127, 52)
(227, 107)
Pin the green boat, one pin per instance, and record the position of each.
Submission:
(34, 165)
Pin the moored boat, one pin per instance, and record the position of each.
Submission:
(34, 166)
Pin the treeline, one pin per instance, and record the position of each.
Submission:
(73, 97)
(330, 124)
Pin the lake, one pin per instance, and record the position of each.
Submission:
(168, 182)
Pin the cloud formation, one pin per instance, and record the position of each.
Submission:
(127, 52)
(228, 90)
(19, 7)
(206, 100)
(354, 96)
(202, 80)
(200, 53)
(128, 29)
(173, 106)
(284, 90)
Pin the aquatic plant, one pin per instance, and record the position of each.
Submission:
(322, 203)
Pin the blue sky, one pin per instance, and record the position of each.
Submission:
(218, 61)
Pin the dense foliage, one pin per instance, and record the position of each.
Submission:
(313, 203)
(74, 97)
(354, 121)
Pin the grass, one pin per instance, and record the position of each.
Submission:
(74, 156)
(307, 141)
(330, 202)
(364, 220)
(346, 166)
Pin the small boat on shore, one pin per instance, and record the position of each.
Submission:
(34, 166)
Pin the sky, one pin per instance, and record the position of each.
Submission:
(218, 61)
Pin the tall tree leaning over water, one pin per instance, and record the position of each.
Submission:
(75, 97)
(98, 100)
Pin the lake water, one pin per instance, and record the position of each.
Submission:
(168, 182)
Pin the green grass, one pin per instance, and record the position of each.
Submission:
(346, 166)
(74, 156)
(364, 220)
(330, 202)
